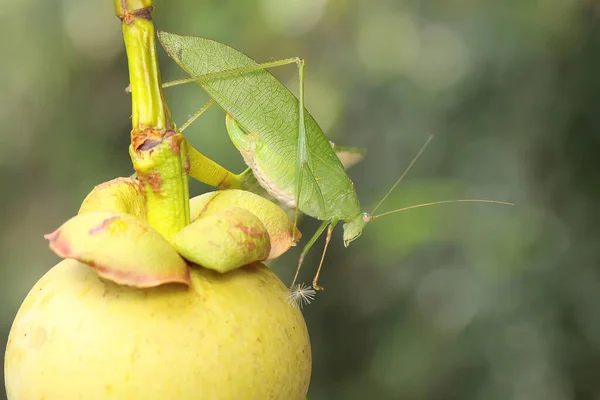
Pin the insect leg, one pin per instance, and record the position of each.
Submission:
(327, 240)
(302, 166)
(267, 65)
(203, 168)
(301, 151)
(306, 248)
(196, 115)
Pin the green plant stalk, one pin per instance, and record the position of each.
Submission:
(158, 152)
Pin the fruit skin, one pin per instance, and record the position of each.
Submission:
(227, 336)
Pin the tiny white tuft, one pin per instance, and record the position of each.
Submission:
(300, 295)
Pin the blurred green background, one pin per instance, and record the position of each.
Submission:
(452, 302)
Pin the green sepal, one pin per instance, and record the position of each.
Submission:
(279, 226)
(123, 195)
(224, 240)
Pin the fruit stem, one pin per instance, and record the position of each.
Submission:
(158, 151)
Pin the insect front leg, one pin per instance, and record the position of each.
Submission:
(327, 240)
(307, 247)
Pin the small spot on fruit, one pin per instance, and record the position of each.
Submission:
(84, 291)
(38, 337)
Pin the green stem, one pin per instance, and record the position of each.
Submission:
(158, 152)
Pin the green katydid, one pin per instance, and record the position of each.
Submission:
(207, 171)
(279, 140)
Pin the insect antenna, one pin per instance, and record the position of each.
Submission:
(414, 160)
(442, 202)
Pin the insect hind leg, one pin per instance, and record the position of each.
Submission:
(302, 155)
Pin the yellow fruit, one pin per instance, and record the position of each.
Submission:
(226, 336)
